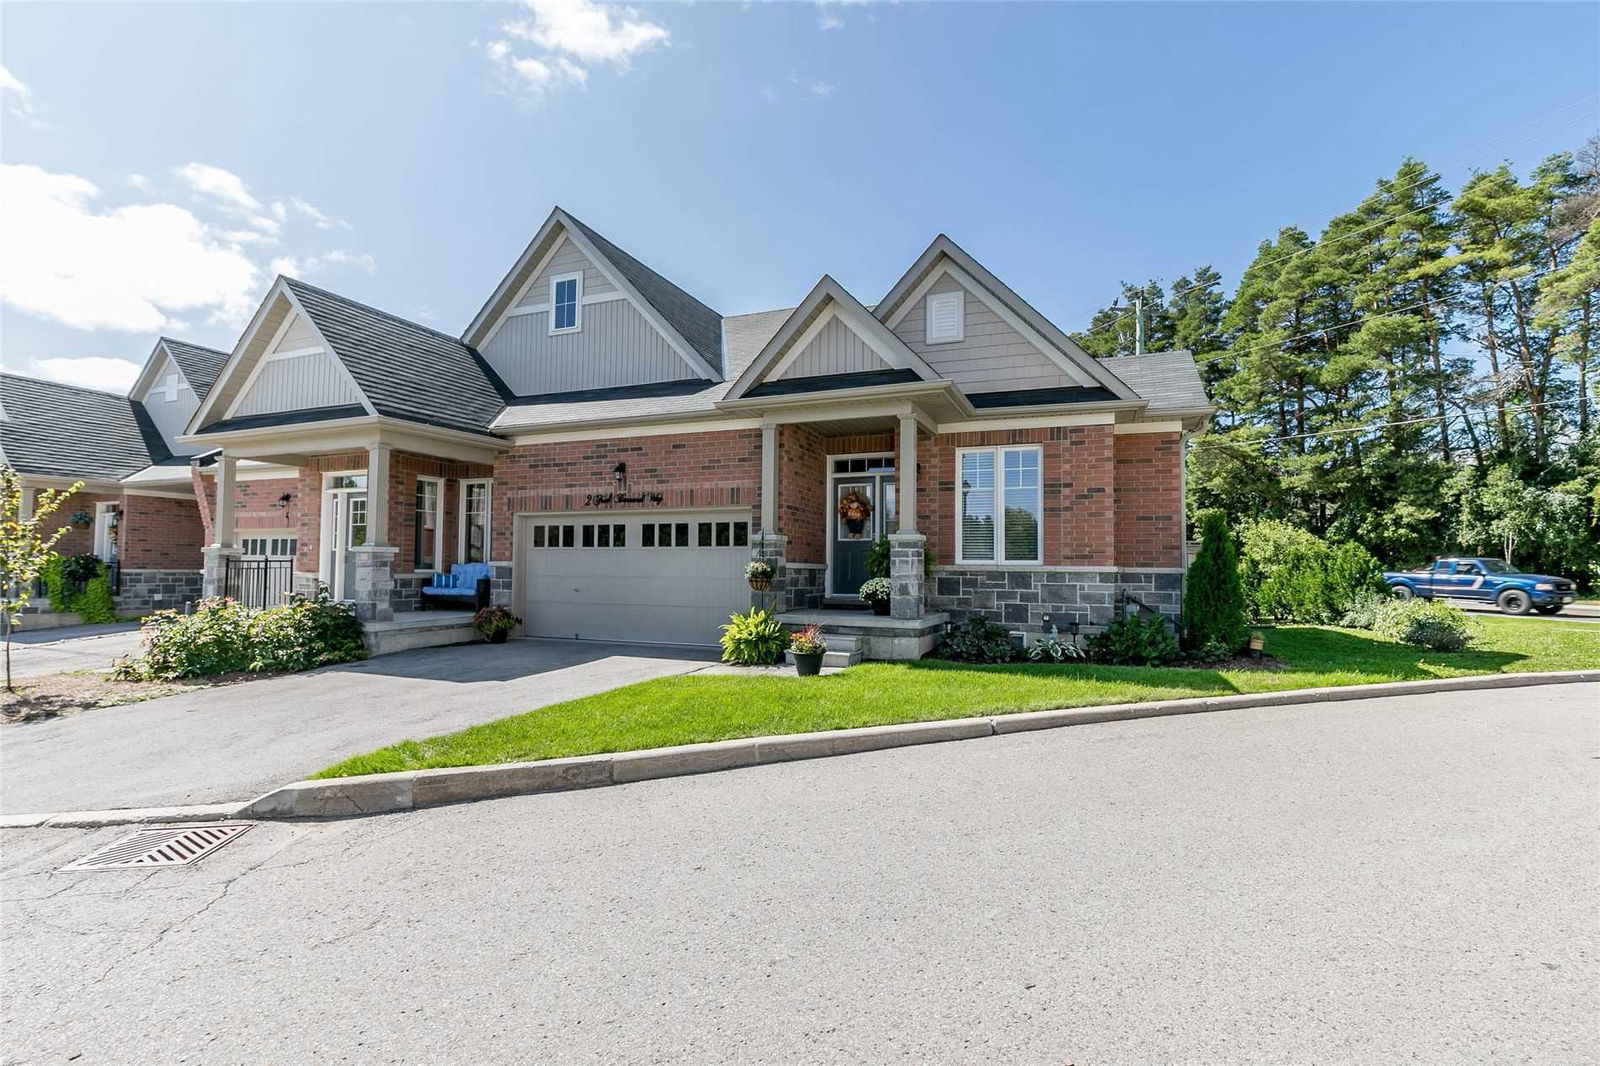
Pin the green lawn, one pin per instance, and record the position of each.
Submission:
(691, 710)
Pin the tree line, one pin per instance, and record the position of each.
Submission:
(1419, 377)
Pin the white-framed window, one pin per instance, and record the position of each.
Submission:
(1002, 505)
(566, 303)
(269, 545)
(473, 545)
(947, 317)
(425, 544)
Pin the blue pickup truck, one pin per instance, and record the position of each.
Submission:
(1486, 580)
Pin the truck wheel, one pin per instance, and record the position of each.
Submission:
(1403, 592)
(1553, 608)
(1514, 601)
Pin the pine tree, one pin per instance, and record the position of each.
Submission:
(1213, 595)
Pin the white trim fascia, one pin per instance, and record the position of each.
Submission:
(142, 383)
(129, 490)
(52, 481)
(892, 359)
(1124, 428)
(620, 430)
(522, 291)
(1035, 422)
(293, 353)
(480, 321)
(533, 275)
(576, 277)
(202, 412)
(674, 339)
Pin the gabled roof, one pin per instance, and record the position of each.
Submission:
(53, 430)
(200, 366)
(691, 327)
(828, 296)
(1053, 343)
(404, 370)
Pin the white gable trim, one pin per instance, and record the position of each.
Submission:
(570, 232)
(947, 269)
(159, 356)
(826, 300)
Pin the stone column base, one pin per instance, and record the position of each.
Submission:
(905, 574)
(374, 581)
(214, 572)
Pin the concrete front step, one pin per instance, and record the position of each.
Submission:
(843, 650)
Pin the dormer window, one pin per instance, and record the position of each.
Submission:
(566, 303)
(947, 317)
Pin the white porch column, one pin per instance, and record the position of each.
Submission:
(378, 494)
(769, 479)
(227, 492)
(908, 473)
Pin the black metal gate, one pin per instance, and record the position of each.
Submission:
(258, 582)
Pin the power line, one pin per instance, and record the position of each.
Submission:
(1359, 429)
(1314, 333)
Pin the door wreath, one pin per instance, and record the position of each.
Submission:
(855, 509)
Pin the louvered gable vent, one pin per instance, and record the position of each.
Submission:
(946, 317)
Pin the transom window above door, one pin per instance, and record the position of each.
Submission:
(867, 465)
(566, 303)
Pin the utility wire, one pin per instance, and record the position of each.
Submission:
(1217, 442)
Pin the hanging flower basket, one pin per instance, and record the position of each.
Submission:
(855, 509)
(759, 574)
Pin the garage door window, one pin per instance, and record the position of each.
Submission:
(665, 535)
(605, 535)
(555, 536)
(723, 534)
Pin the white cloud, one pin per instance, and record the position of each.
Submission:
(223, 186)
(301, 267)
(569, 37)
(827, 20)
(139, 181)
(126, 268)
(769, 94)
(820, 88)
(20, 97)
(90, 371)
(318, 217)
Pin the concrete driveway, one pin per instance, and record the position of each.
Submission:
(49, 651)
(237, 742)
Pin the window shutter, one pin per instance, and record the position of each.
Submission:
(945, 317)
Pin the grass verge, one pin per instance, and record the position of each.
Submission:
(693, 710)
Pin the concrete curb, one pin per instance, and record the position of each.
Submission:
(412, 789)
(344, 797)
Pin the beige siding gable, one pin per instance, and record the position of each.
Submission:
(834, 349)
(172, 415)
(568, 259)
(298, 373)
(991, 357)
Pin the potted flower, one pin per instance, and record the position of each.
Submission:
(760, 573)
(495, 623)
(855, 509)
(876, 591)
(808, 649)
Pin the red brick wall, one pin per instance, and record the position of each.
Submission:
(257, 503)
(690, 470)
(1149, 499)
(802, 491)
(1079, 491)
(158, 533)
(77, 540)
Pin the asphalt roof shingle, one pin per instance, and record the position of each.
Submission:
(201, 366)
(406, 370)
(55, 430)
(1170, 381)
(699, 324)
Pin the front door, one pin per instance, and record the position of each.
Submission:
(344, 526)
(862, 509)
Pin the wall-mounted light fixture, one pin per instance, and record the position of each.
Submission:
(619, 473)
(283, 501)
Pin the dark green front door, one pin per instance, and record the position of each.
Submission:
(853, 537)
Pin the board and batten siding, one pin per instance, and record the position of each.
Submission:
(992, 357)
(616, 346)
(171, 416)
(836, 349)
(569, 259)
(299, 382)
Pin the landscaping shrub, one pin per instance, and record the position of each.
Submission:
(225, 637)
(1135, 640)
(1425, 623)
(978, 641)
(79, 584)
(753, 639)
(1294, 576)
(1213, 601)
(877, 560)
(1362, 611)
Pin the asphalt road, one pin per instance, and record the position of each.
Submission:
(1384, 881)
(50, 651)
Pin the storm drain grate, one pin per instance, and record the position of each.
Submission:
(147, 848)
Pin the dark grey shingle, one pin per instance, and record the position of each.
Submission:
(56, 430)
(406, 370)
(201, 366)
(1170, 381)
(699, 324)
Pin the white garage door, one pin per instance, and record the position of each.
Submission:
(659, 578)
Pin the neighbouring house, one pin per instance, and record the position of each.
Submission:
(137, 508)
(615, 451)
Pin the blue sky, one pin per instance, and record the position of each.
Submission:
(162, 161)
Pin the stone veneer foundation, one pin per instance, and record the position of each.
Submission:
(1021, 598)
(143, 591)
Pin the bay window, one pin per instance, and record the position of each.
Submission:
(1002, 505)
